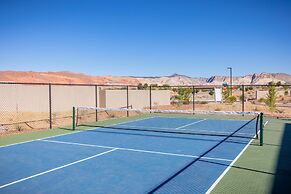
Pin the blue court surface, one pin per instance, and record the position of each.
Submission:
(113, 160)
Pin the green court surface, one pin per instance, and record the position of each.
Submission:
(260, 169)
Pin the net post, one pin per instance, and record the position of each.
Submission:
(243, 99)
(127, 102)
(261, 129)
(74, 118)
(193, 99)
(96, 102)
(257, 123)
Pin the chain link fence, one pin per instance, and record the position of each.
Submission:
(31, 106)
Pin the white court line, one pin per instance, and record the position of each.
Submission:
(228, 168)
(54, 169)
(73, 132)
(190, 124)
(136, 150)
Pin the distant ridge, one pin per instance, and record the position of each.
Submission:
(175, 79)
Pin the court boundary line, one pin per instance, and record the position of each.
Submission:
(136, 150)
(71, 132)
(230, 166)
(57, 168)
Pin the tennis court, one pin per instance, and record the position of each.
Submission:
(151, 154)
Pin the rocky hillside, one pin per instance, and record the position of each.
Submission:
(63, 77)
(175, 79)
(261, 78)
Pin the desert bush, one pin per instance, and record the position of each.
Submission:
(19, 128)
(261, 100)
(112, 115)
(201, 102)
(280, 111)
(241, 98)
(231, 99)
(226, 93)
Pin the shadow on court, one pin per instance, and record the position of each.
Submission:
(282, 181)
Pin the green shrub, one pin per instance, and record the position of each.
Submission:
(183, 96)
(140, 86)
(271, 97)
(226, 93)
(165, 87)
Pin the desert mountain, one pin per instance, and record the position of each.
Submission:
(175, 79)
(261, 78)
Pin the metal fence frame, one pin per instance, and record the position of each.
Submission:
(193, 87)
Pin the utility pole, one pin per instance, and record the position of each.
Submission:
(230, 79)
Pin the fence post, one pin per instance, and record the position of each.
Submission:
(261, 129)
(50, 105)
(96, 102)
(127, 101)
(73, 118)
(193, 99)
(150, 97)
(243, 99)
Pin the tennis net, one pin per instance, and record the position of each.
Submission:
(214, 123)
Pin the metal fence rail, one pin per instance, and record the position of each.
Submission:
(29, 106)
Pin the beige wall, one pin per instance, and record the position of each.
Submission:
(161, 97)
(65, 97)
(139, 98)
(112, 98)
(24, 98)
(34, 98)
(136, 98)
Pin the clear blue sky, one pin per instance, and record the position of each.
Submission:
(146, 37)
